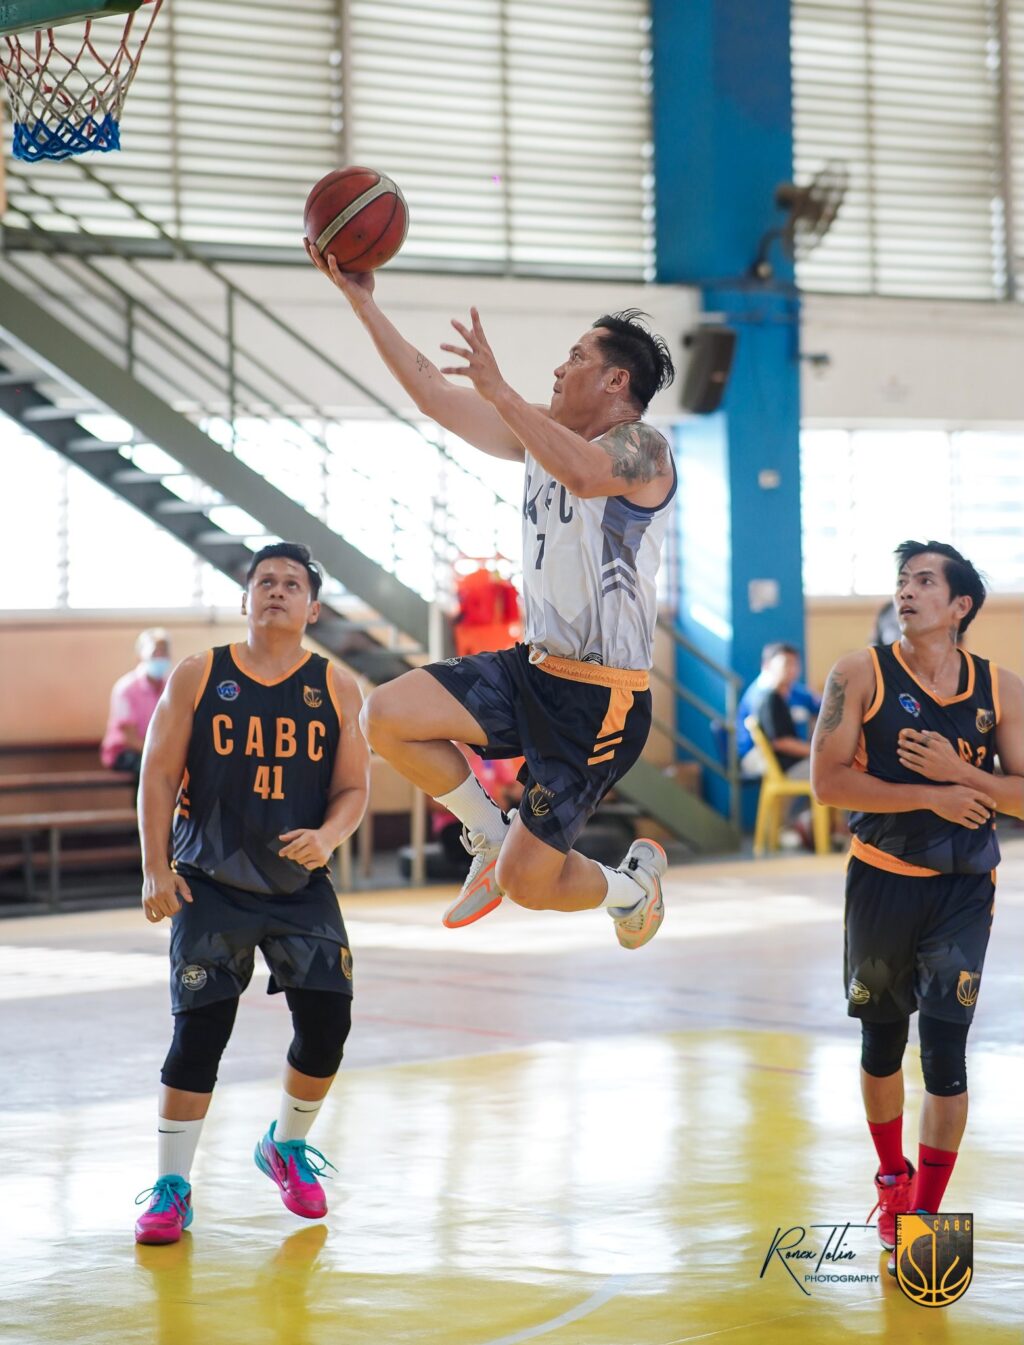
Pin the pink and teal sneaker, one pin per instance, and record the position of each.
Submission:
(295, 1166)
(169, 1212)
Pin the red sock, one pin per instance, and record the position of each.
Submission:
(934, 1169)
(888, 1137)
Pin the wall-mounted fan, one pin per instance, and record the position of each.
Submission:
(811, 212)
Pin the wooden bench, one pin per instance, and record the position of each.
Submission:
(26, 827)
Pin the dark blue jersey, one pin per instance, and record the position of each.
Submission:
(259, 763)
(922, 840)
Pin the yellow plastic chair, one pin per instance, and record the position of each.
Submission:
(776, 788)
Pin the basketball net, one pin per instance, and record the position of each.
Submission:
(66, 95)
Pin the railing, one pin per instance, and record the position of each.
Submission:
(210, 361)
(725, 719)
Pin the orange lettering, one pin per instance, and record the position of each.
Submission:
(254, 741)
(222, 747)
(316, 729)
(285, 745)
(964, 748)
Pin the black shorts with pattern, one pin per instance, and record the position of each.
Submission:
(580, 726)
(215, 936)
(915, 943)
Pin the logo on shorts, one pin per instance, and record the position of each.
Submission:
(346, 964)
(228, 691)
(450, 662)
(538, 800)
(911, 706)
(967, 988)
(313, 697)
(858, 993)
(193, 977)
(985, 721)
(934, 1257)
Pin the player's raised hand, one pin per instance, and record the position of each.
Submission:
(964, 804)
(931, 755)
(481, 368)
(161, 889)
(306, 846)
(356, 286)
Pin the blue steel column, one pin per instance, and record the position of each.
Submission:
(723, 140)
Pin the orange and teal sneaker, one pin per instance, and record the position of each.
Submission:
(295, 1166)
(480, 892)
(646, 863)
(169, 1212)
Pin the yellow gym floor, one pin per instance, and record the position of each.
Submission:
(539, 1136)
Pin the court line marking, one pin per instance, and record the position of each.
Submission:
(764, 1321)
(609, 1290)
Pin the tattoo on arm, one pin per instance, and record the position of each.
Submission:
(832, 710)
(638, 452)
(423, 365)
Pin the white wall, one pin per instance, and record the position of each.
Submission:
(531, 324)
(947, 365)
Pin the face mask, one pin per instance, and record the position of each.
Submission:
(157, 668)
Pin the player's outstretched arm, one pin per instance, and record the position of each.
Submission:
(163, 766)
(934, 757)
(631, 459)
(835, 779)
(459, 410)
(350, 783)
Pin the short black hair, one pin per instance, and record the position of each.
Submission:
(297, 551)
(963, 579)
(629, 343)
(777, 647)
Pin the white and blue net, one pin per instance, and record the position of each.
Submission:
(67, 86)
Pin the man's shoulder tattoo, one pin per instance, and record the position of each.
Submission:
(638, 452)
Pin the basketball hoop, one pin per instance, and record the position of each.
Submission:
(67, 91)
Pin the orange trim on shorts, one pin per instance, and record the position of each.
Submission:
(596, 674)
(878, 859)
(620, 702)
(994, 674)
(204, 679)
(876, 704)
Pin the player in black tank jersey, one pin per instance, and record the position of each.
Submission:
(907, 739)
(256, 751)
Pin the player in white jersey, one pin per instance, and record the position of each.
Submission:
(574, 699)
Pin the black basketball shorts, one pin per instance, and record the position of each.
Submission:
(915, 943)
(215, 936)
(580, 726)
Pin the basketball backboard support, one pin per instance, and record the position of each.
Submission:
(25, 16)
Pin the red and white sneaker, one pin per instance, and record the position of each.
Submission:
(169, 1212)
(895, 1194)
(295, 1166)
(646, 863)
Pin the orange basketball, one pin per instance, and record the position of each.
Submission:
(357, 216)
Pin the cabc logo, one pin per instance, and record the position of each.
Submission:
(934, 1257)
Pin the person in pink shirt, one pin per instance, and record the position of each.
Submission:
(133, 701)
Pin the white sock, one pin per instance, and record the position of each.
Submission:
(296, 1117)
(474, 807)
(624, 893)
(176, 1146)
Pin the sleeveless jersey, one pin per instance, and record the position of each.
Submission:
(921, 840)
(589, 572)
(259, 763)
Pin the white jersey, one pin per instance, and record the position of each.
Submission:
(589, 572)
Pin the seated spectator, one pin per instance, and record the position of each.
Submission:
(887, 625)
(133, 700)
(802, 703)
